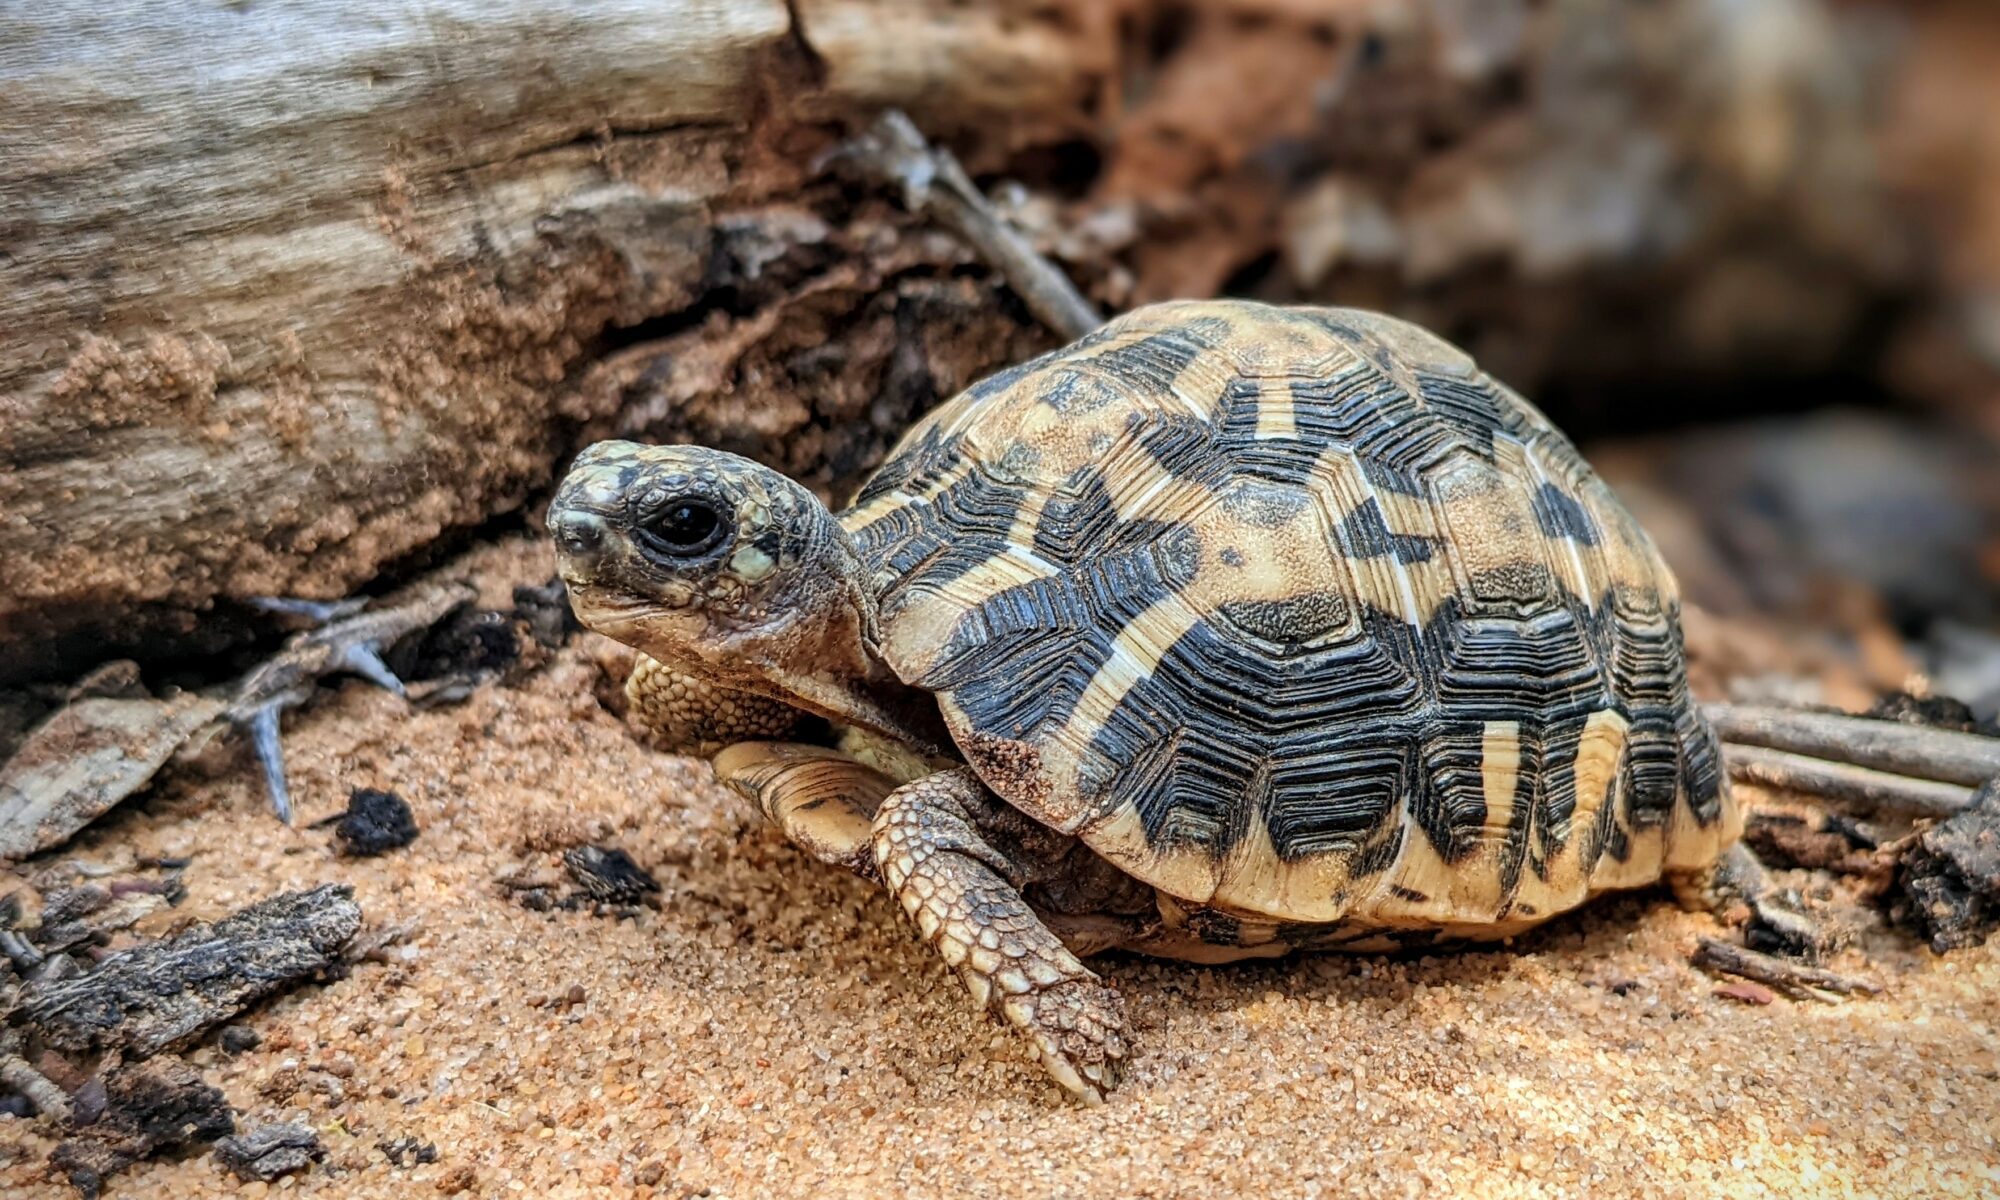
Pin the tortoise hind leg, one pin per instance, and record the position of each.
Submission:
(1777, 924)
(932, 843)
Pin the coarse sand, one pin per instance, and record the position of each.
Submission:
(773, 1028)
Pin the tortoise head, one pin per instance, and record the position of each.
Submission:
(677, 549)
(725, 568)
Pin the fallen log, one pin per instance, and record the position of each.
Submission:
(271, 330)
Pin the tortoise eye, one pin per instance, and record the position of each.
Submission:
(685, 527)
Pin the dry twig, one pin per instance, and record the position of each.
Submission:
(1839, 781)
(1795, 979)
(893, 153)
(1918, 751)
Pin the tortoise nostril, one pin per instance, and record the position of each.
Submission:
(578, 534)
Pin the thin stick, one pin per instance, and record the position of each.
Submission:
(1944, 755)
(1794, 979)
(1838, 781)
(893, 154)
(49, 1100)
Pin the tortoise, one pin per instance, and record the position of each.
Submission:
(1226, 631)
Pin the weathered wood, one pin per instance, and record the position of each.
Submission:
(286, 290)
(82, 761)
(892, 153)
(1839, 781)
(1944, 755)
(159, 995)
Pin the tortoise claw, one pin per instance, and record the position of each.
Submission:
(1077, 1026)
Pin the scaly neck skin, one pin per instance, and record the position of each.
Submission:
(827, 663)
(813, 644)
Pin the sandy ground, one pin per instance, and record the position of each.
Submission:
(773, 1028)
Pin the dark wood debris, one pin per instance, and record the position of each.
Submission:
(147, 1110)
(1948, 882)
(1822, 840)
(88, 914)
(608, 875)
(1936, 712)
(545, 610)
(270, 1151)
(375, 822)
(406, 1152)
(163, 994)
(602, 878)
(892, 153)
(471, 645)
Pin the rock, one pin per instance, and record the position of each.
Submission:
(239, 1039)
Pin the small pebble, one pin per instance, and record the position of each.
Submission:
(458, 1179)
(237, 1039)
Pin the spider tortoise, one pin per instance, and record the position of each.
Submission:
(1226, 631)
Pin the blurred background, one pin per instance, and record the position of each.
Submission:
(309, 323)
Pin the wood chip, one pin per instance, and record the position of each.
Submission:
(166, 993)
(270, 1151)
(77, 765)
(1747, 992)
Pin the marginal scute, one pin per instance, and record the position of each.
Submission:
(1296, 615)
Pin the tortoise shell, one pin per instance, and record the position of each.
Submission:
(1295, 614)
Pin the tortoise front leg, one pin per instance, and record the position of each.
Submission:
(683, 712)
(824, 800)
(965, 896)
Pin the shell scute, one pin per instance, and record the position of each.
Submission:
(1296, 615)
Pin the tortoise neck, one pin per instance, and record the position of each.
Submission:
(826, 656)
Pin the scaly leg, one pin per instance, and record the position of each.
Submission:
(688, 714)
(964, 894)
(822, 799)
